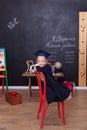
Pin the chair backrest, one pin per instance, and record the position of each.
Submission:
(41, 84)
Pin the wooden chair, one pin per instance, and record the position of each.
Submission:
(43, 100)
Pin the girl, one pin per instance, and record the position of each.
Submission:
(55, 91)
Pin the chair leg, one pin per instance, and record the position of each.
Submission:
(2, 85)
(39, 109)
(59, 114)
(44, 109)
(63, 114)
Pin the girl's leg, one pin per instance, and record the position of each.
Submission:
(69, 97)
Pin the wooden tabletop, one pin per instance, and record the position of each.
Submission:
(27, 74)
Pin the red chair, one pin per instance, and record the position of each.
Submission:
(2, 76)
(43, 101)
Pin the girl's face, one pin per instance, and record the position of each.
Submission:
(41, 61)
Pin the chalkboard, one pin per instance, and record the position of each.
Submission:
(29, 25)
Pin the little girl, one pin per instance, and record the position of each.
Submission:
(55, 91)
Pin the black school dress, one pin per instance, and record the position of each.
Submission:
(55, 91)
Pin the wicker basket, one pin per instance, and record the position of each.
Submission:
(13, 98)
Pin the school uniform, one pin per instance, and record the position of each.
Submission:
(55, 90)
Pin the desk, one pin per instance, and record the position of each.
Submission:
(29, 75)
(32, 75)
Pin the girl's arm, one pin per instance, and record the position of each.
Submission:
(44, 69)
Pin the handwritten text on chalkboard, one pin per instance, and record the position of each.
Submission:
(61, 42)
(63, 47)
(12, 23)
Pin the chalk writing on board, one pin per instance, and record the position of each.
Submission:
(12, 23)
(62, 48)
(61, 42)
(69, 56)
